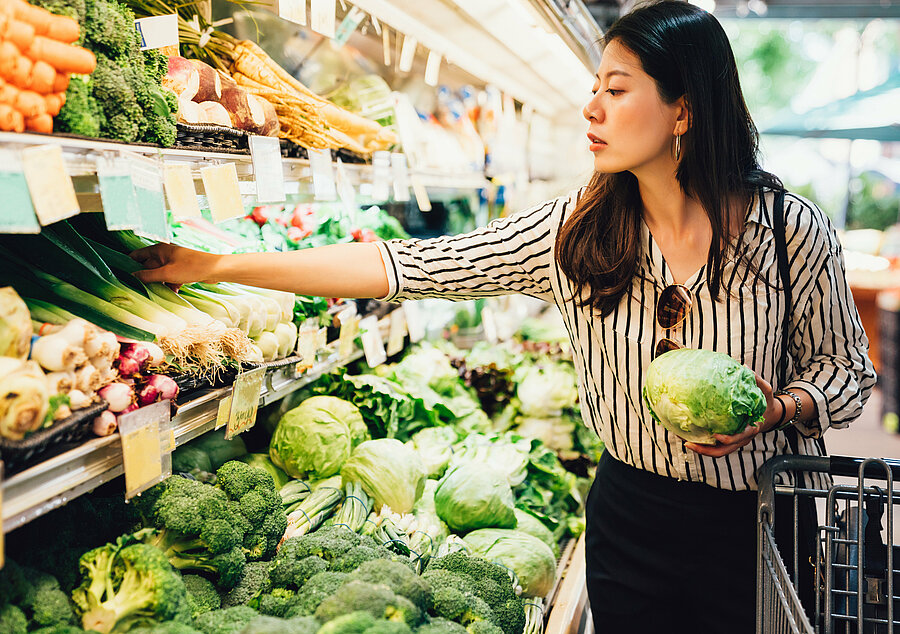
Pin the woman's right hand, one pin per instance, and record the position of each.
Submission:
(175, 265)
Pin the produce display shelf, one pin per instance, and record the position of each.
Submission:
(568, 605)
(80, 156)
(62, 478)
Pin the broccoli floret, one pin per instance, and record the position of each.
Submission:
(169, 627)
(354, 623)
(195, 527)
(273, 625)
(201, 594)
(441, 626)
(81, 114)
(398, 577)
(357, 556)
(128, 584)
(259, 502)
(483, 627)
(388, 627)
(377, 600)
(293, 573)
(36, 594)
(277, 602)
(329, 543)
(228, 621)
(13, 620)
(254, 581)
(317, 589)
(14, 583)
(109, 28)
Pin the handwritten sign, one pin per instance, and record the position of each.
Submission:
(52, 192)
(145, 461)
(244, 402)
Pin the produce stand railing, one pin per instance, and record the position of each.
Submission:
(58, 480)
(568, 604)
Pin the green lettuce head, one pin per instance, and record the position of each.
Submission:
(314, 439)
(698, 393)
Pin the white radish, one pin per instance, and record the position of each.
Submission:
(60, 382)
(78, 399)
(105, 424)
(57, 353)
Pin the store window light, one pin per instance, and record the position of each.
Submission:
(707, 5)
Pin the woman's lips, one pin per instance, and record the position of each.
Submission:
(596, 143)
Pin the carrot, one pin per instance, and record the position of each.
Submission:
(29, 103)
(63, 57)
(19, 33)
(21, 71)
(61, 82)
(54, 102)
(42, 77)
(8, 93)
(39, 18)
(42, 123)
(11, 120)
(8, 55)
(64, 29)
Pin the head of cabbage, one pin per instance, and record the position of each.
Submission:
(531, 559)
(698, 393)
(389, 471)
(475, 495)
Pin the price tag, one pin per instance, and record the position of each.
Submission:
(323, 174)
(407, 54)
(180, 191)
(432, 68)
(222, 191)
(307, 344)
(18, 212)
(422, 198)
(414, 321)
(349, 329)
(143, 457)
(268, 170)
(322, 16)
(120, 204)
(223, 411)
(244, 402)
(381, 175)
(323, 339)
(293, 11)
(151, 201)
(52, 192)
(373, 343)
(400, 172)
(345, 191)
(348, 25)
(489, 321)
(386, 45)
(397, 333)
(157, 31)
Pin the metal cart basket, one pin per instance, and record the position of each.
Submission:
(853, 590)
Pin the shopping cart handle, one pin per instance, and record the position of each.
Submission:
(849, 466)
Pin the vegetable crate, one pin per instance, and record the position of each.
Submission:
(851, 583)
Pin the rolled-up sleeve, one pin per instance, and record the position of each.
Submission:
(510, 255)
(829, 345)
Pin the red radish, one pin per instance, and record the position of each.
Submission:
(105, 424)
(210, 88)
(128, 410)
(118, 395)
(128, 367)
(182, 78)
(158, 388)
(215, 113)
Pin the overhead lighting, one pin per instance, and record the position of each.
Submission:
(707, 5)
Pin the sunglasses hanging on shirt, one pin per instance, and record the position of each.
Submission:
(672, 309)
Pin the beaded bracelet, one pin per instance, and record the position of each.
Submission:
(797, 412)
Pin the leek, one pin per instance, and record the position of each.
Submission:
(252, 307)
(272, 307)
(213, 305)
(47, 313)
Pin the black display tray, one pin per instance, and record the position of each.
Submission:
(210, 137)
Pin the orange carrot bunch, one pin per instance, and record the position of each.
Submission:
(37, 55)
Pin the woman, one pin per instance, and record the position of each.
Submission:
(673, 223)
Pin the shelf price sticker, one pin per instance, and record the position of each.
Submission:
(373, 343)
(180, 191)
(397, 332)
(293, 11)
(223, 411)
(432, 68)
(307, 345)
(415, 321)
(52, 192)
(348, 25)
(244, 402)
(268, 170)
(144, 434)
(400, 172)
(151, 200)
(322, 174)
(381, 175)
(322, 16)
(349, 321)
(222, 191)
(345, 191)
(489, 321)
(18, 214)
(157, 31)
(419, 189)
(407, 54)
(120, 204)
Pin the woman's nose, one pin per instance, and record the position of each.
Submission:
(592, 110)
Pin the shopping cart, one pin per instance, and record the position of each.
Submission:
(854, 545)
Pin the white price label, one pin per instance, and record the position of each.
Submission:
(415, 321)
(373, 343)
(268, 170)
(180, 191)
(223, 412)
(489, 321)
(345, 191)
(422, 198)
(52, 192)
(144, 434)
(322, 16)
(244, 402)
(348, 25)
(293, 11)
(400, 172)
(407, 54)
(386, 45)
(397, 333)
(381, 175)
(322, 174)
(157, 31)
(222, 191)
(432, 68)
(307, 344)
(349, 330)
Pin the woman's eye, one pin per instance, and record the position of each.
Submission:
(614, 92)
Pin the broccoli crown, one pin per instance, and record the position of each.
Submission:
(388, 627)
(259, 502)
(377, 600)
(129, 584)
(12, 620)
(254, 581)
(353, 623)
(228, 621)
(201, 594)
(441, 626)
(273, 625)
(398, 577)
(36, 595)
(483, 627)
(169, 627)
(276, 603)
(81, 114)
(293, 573)
(329, 543)
(319, 587)
(357, 556)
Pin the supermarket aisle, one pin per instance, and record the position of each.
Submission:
(866, 436)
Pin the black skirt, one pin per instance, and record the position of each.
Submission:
(671, 556)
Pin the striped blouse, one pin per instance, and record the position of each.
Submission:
(828, 347)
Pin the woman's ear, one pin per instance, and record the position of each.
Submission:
(683, 115)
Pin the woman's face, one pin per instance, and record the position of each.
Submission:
(631, 127)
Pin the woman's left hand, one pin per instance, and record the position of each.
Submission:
(729, 444)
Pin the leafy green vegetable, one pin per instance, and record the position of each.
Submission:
(528, 523)
(313, 439)
(529, 557)
(475, 495)
(262, 461)
(697, 393)
(435, 447)
(389, 471)
(547, 389)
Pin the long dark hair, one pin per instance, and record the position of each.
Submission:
(685, 50)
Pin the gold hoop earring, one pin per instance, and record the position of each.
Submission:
(677, 147)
